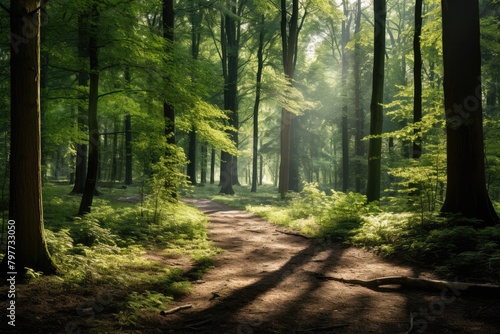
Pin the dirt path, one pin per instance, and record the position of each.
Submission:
(260, 284)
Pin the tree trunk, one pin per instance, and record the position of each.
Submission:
(93, 160)
(168, 16)
(25, 209)
(289, 38)
(230, 37)
(191, 167)
(376, 109)
(203, 165)
(212, 166)
(345, 133)
(261, 166)
(359, 146)
(81, 148)
(466, 186)
(128, 150)
(258, 86)
(114, 160)
(417, 80)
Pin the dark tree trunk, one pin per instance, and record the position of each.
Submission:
(376, 108)
(191, 167)
(212, 166)
(466, 186)
(25, 209)
(294, 177)
(93, 159)
(168, 16)
(231, 39)
(261, 167)
(81, 148)
(289, 38)
(258, 87)
(417, 80)
(345, 133)
(203, 165)
(128, 150)
(195, 19)
(359, 146)
(114, 160)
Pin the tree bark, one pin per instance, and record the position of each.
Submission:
(81, 148)
(212, 166)
(417, 80)
(289, 38)
(114, 160)
(93, 159)
(359, 146)
(128, 150)
(230, 37)
(345, 132)
(466, 192)
(376, 109)
(258, 86)
(168, 16)
(191, 167)
(25, 208)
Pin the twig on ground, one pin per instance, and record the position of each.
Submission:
(412, 282)
(176, 309)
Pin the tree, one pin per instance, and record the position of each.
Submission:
(466, 186)
(93, 158)
(258, 89)
(81, 147)
(25, 207)
(168, 16)
(345, 134)
(359, 147)
(289, 40)
(417, 80)
(230, 40)
(376, 108)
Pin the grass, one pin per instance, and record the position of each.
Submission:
(109, 250)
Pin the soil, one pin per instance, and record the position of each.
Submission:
(262, 283)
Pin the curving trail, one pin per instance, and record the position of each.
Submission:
(260, 284)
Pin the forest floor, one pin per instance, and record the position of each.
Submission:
(262, 283)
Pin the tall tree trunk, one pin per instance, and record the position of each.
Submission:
(289, 38)
(359, 146)
(212, 166)
(25, 208)
(128, 138)
(81, 148)
(195, 19)
(345, 133)
(258, 87)
(128, 150)
(376, 109)
(191, 167)
(114, 160)
(466, 186)
(417, 80)
(93, 159)
(203, 165)
(229, 167)
(168, 16)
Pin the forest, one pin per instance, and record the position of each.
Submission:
(249, 166)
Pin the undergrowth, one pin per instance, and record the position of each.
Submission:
(110, 246)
